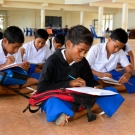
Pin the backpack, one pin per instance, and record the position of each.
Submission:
(15, 75)
(79, 100)
(50, 43)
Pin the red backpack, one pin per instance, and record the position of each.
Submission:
(79, 99)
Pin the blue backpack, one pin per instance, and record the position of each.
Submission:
(12, 76)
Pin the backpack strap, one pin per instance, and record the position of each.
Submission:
(32, 111)
(18, 91)
(50, 43)
(90, 115)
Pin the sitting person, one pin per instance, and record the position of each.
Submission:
(36, 52)
(13, 39)
(129, 54)
(55, 42)
(103, 59)
(71, 61)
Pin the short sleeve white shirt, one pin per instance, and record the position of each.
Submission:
(48, 44)
(127, 48)
(33, 56)
(97, 58)
(16, 55)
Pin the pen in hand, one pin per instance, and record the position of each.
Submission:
(71, 77)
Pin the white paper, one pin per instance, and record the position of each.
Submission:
(110, 80)
(92, 91)
(12, 65)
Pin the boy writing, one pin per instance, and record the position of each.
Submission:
(36, 52)
(103, 59)
(13, 39)
(71, 61)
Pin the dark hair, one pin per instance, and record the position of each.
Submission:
(14, 35)
(1, 35)
(59, 39)
(120, 35)
(79, 34)
(41, 33)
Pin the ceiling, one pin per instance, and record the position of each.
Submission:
(67, 5)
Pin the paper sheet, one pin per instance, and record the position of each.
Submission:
(92, 91)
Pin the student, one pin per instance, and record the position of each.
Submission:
(55, 42)
(129, 54)
(103, 59)
(13, 39)
(71, 61)
(36, 52)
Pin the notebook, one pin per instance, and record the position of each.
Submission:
(110, 80)
(92, 91)
(12, 65)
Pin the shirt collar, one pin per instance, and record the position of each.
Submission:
(62, 51)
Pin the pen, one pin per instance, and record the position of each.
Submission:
(71, 77)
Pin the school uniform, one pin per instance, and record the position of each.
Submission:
(33, 56)
(97, 59)
(3, 58)
(50, 45)
(18, 58)
(54, 75)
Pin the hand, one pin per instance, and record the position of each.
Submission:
(106, 75)
(98, 87)
(25, 65)
(125, 78)
(78, 82)
(10, 60)
(22, 50)
(39, 65)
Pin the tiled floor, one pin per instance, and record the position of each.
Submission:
(14, 122)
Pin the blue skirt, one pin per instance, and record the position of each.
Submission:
(53, 107)
(116, 75)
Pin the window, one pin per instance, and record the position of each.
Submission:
(107, 22)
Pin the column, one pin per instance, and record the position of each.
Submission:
(42, 18)
(81, 17)
(100, 18)
(125, 16)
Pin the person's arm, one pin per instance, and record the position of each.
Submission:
(101, 74)
(47, 78)
(10, 60)
(131, 58)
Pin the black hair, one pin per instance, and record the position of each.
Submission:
(79, 34)
(120, 35)
(41, 33)
(59, 38)
(1, 35)
(14, 35)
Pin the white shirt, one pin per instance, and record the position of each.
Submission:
(16, 55)
(127, 48)
(97, 58)
(33, 56)
(62, 51)
(48, 44)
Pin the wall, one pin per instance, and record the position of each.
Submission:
(32, 18)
